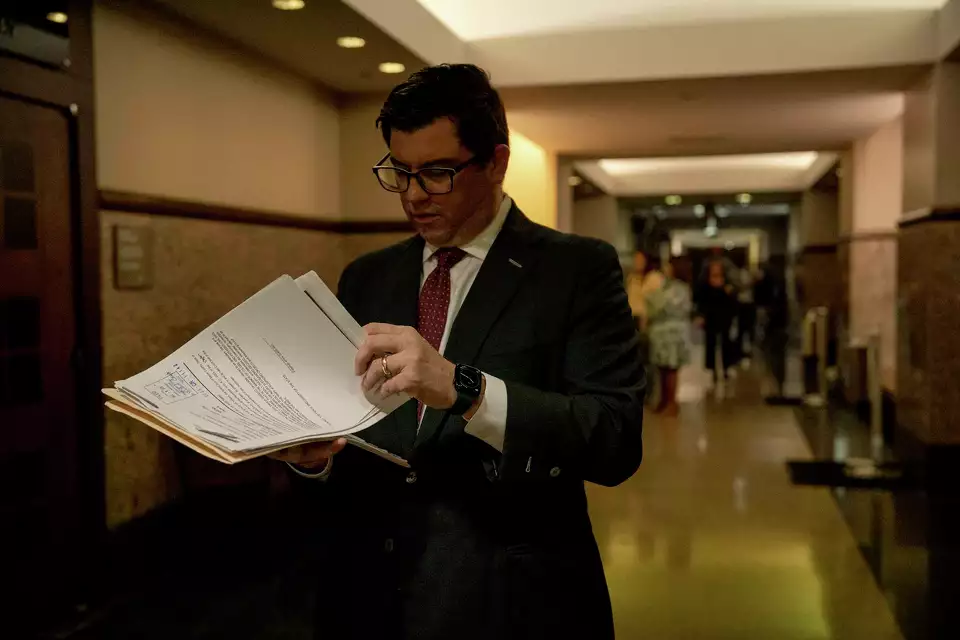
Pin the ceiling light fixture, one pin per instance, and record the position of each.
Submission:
(57, 16)
(673, 200)
(575, 181)
(351, 42)
(289, 5)
(392, 67)
(699, 210)
(744, 198)
(723, 212)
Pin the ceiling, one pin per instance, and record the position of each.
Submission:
(471, 20)
(304, 41)
(770, 172)
(759, 114)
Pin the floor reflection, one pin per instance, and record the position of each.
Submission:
(710, 539)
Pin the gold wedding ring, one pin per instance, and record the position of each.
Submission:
(383, 365)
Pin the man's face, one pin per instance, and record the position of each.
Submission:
(717, 277)
(456, 217)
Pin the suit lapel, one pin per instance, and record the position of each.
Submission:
(511, 256)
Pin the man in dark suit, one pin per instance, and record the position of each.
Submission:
(518, 346)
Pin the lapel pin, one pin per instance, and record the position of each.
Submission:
(515, 263)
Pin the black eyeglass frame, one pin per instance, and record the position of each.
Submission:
(452, 171)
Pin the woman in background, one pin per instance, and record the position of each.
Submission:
(668, 325)
(644, 280)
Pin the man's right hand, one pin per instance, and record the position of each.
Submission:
(313, 456)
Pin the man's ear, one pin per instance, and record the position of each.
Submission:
(501, 158)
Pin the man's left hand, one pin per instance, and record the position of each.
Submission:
(415, 367)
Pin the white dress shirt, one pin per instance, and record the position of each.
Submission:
(489, 423)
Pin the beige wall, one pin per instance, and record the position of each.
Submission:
(532, 179)
(948, 134)
(819, 217)
(361, 147)
(950, 27)
(919, 140)
(877, 180)
(931, 136)
(846, 174)
(180, 117)
(598, 217)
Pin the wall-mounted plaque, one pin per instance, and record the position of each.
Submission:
(132, 257)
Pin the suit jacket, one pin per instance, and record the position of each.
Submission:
(473, 543)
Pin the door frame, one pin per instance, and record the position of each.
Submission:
(70, 89)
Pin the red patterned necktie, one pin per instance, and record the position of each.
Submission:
(435, 299)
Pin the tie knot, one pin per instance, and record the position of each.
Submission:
(448, 257)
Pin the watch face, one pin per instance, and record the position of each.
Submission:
(468, 379)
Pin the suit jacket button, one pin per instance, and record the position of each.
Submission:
(554, 472)
(411, 477)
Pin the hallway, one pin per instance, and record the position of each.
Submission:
(711, 540)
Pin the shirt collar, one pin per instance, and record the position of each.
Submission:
(479, 247)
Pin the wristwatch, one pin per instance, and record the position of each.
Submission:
(468, 383)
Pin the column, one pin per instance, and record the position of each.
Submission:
(928, 362)
(868, 242)
(817, 281)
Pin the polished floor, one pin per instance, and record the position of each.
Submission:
(711, 540)
(708, 541)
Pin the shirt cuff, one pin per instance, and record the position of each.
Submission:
(489, 423)
(323, 474)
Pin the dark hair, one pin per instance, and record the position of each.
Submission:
(682, 268)
(653, 262)
(461, 92)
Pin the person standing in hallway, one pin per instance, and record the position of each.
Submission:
(668, 315)
(645, 279)
(716, 305)
(518, 347)
(772, 299)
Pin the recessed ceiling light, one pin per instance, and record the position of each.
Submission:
(699, 211)
(723, 212)
(673, 200)
(289, 5)
(392, 67)
(351, 42)
(57, 16)
(744, 198)
(730, 245)
(575, 181)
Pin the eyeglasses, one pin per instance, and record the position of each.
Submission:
(434, 180)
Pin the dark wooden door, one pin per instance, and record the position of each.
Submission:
(38, 488)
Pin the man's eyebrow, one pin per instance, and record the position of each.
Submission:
(439, 162)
